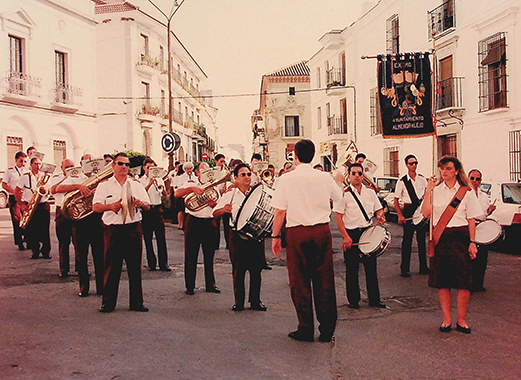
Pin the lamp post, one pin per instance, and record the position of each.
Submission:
(175, 8)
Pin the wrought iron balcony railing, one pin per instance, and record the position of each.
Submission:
(335, 77)
(336, 125)
(22, 84)
(66, 94)
(442, 18)
(449, 94)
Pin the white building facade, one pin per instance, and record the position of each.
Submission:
(477, 60)
(47, 88)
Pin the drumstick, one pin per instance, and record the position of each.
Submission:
(365, 242)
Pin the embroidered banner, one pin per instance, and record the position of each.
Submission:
(405, 95)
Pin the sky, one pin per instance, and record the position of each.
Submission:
(237, 41)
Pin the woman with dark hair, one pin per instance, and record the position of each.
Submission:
(454, 209)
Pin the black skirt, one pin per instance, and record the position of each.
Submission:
(450, 268)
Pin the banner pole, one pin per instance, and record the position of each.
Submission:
(433, 105)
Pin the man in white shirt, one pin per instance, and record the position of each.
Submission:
(153, 222)
(302, 197)
(200, 229)
(410, 189)
(352, 220)
(123, 234)
(9, 182)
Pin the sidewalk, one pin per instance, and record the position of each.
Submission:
(48, 332)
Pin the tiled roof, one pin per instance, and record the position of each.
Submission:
(99, 2)
(112, 8)
(298, 69)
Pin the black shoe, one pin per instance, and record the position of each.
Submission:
(237, 308)
(64, 275)
(380, 305)
(105, 309)
(464, 330)
(445, 328)
(83, 294)
(34, 256)
(140, 308)
(353, 306)
(190, 292)
(297, 335)
(258, 306)
(21, 247)
(326, 337)
(405, 275)
(213, 289)
(425, 271)
(47, 257)
(267, 267)
(480, 289)
(166, 268)
(152, 269)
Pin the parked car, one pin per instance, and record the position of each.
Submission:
(4, 197)
(387, 187)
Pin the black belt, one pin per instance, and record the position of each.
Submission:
(154, 206)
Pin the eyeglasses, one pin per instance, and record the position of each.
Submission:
(123, 163)
(245, 174)
(475, 178)
(357, 173)
(413, 163)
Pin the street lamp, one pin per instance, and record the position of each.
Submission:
(175, 8)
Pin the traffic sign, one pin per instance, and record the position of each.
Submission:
(170, 142)
(204, 156)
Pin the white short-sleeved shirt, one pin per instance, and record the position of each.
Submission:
(58, 197)
(27, 183)
(484, 202)
(352, 215)
(419, 184)
(153, 193)
(235, 197)
(206, 212)
(12, 176)
(304, 194)
(469, 207)
(110, 191)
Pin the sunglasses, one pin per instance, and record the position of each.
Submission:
(475, 178)
(123, 163)
(413, 163)
(245, 174)
(357, 173)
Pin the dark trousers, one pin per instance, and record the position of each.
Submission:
(123, 242)
(64, 235)
(89, 232)
(309, 259)
(408, 231)
(15, 220)
(37, 231)
(479, 266)
(199, 232)
(246, 255)
(153, 223)
(352, 259)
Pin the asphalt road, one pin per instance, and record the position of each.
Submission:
(48, 332)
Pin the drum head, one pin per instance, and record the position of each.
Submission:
(248, 206)
(488, 232)
(417, 217)
(371, 239)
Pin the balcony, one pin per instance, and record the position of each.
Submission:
(449, 94)
(177, 117)
(148, 65)
(66, 98)
(442, 19)
(149, 111)
(21, 89)
(335, 81)
(336, 125)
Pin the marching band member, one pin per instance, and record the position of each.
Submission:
(220, 162)
(153, 222)
(187, 175)
(37, 231)
(410, 189)
(255, 177)
(9, 182)
(63, 225)
(245, 255)
(303, 196)
(453, 237)
(122, 232)
(353, 217)
(200, 230)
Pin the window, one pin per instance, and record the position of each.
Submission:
(393, 35)
(144, 45)
(147, 143)
(14, 145)
(161, 58)
(145, 93)
(448, 145)
(292, 127)
(16, 63)
(514, 151)
(492, 72)
(391, 162)
(442, 18)
(60, 73)
(319, 118)
(60, 151)
(163, 103)
(319, 81)
(376, 121)
(292, 90)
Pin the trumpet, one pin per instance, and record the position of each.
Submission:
(266, 176)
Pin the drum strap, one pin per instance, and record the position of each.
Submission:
(359, 204)
(449, 212)
(412, 192)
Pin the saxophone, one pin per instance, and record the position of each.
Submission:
(76, 206)
(194, 202)
(40, 192)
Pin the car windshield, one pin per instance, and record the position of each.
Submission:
(386, 184)
(511, 193)
(486, 187)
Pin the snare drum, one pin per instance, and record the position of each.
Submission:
(255, 217)
(374, 241)
(488, 231)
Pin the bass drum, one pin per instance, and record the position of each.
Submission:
(374, 241)
(488, 231)
(255, 217)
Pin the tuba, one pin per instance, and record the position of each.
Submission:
(194, 202)
(40, 192)
(266, 176)
(366, 180)
(76, 206)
